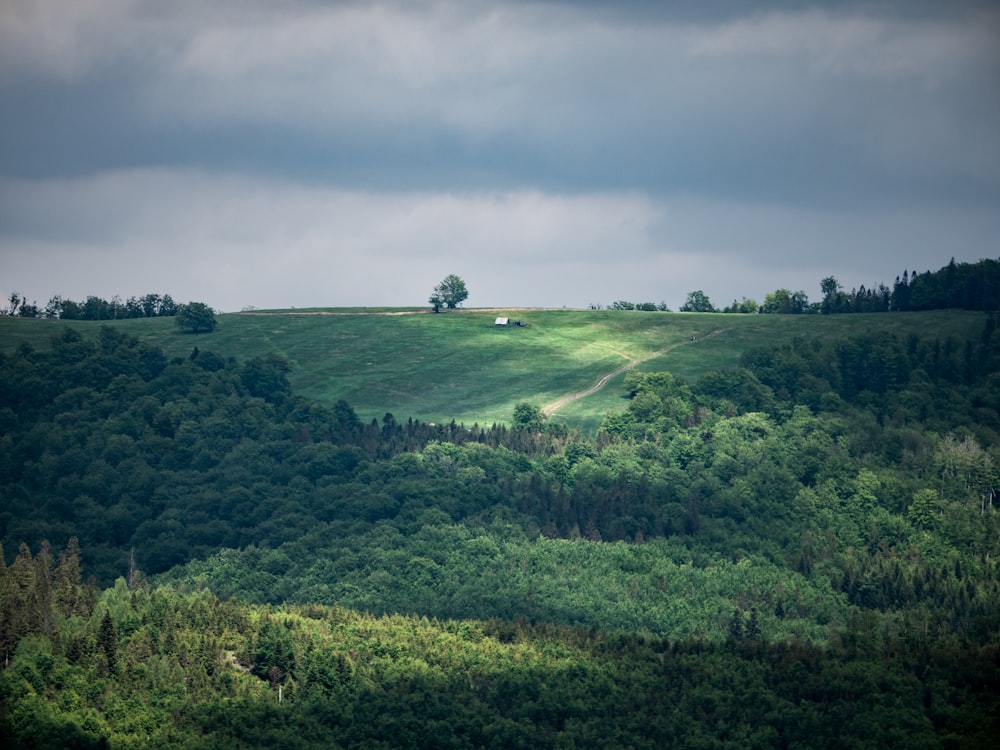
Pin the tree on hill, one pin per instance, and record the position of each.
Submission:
(785, 302)
(528, 416)
(19, 307)
(697, 301)
(195, 317)
(834, 299)
(746, 305)
(450, 293)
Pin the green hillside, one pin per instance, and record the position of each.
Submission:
(459, 366)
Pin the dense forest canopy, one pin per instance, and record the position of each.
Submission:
(957, 286)
(798, 551)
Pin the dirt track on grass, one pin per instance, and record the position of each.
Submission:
(547, 410)
(556, 405)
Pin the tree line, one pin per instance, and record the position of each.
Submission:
(957, 286)
(93, 307)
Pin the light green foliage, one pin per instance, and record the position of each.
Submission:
(784, 301)
(194, 676)
(746, 305)
(448, 571)
(925, 510)
(697, 302)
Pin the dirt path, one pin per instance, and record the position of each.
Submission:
(556, 405)
(547, 410)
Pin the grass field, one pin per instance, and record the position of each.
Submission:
(458, 365)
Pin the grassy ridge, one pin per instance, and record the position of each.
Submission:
(459, 366)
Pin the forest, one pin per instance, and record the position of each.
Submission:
(799, 551)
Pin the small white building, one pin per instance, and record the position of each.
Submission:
(502, 322)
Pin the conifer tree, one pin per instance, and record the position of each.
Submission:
(736, 625)
(42, 592)
(753, 632)
(67, 596)
(107, 641)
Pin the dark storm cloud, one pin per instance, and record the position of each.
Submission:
(623, 149)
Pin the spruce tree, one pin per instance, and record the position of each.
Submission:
(736, 625)
(753, 632)
(107, 641)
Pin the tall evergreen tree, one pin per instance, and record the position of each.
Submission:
(753, 632)
(67, 596)
(107, 641)
(736, 625)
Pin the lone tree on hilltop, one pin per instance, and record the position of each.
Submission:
(450, 293)
(698, 301)
(195, 317)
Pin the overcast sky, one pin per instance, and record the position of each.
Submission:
(280, 153)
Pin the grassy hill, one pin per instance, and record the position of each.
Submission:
(459, 366)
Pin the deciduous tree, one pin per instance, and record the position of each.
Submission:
(697, 301)
(450, 293)
(195, 317)
(528, 416)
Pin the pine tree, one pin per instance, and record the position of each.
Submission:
(67, 597)
(23, 612)
(736, 625)
(107, 641)
(753, 632)
(42, 593)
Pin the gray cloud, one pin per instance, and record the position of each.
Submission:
(563, 153)
(239, 241)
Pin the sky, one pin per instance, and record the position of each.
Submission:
(305, 153)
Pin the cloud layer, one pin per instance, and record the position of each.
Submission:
(314, 153)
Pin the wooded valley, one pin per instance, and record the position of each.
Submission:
(797, 551)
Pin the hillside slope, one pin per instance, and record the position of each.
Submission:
(459, 366)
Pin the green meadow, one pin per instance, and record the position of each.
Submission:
(459, 366)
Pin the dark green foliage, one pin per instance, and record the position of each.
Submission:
(264, 377)
(196, 317)
(95, 308)
(736, 629)
(450, 293)
(107, 641)
(274, 657)
(697, 302)
(753, 631)
(969, 286)
(528, 416)
(965, 286)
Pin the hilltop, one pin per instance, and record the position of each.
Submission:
(459, 366)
